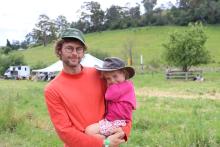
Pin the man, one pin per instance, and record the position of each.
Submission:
(75, 98)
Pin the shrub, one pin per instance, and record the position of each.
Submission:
(10, 60)
(186, 49)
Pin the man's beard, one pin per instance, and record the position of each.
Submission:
(68, 63)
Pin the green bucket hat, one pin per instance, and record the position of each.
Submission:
(73, 33)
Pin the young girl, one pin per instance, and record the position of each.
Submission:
(119, 96)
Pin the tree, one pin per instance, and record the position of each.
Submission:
(113, 17)
(207, 11)
(7, 48)
(122, 17)
(45, 30)
(95, 15)
(29, 38)
(8, 44)
(61, 24)
(135, 12)
(15, 44)
(132, 16)
(24, 44)
(149, 5)
(186, 49)
(148, 16)
(82, 25)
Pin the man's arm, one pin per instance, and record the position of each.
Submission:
(64, 127)
(127, 130)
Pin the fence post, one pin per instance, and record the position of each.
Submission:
(186, 75)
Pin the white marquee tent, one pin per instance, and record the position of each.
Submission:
(87, 61)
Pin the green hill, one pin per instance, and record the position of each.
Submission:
(145, 40)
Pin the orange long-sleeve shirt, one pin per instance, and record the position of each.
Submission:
(74, 102)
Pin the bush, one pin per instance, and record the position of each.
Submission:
(6, 49)
(187, 49)
(10, 60)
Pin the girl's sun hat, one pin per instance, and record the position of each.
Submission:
(114, 63)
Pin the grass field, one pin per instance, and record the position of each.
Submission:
(170, 113)
(146, 41)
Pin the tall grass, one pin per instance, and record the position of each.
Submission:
(23, 115)
(9, 119)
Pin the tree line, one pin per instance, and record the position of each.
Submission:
(94, 19)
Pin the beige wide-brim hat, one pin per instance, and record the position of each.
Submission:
(114, 63)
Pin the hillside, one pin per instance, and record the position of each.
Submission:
(146, 41)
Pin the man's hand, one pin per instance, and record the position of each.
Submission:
(117, 137)
(118, 130)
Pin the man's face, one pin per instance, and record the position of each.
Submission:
(114, 77)
(72, 53)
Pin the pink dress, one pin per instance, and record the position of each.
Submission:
(121, 101)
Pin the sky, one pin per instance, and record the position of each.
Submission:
(18, 17)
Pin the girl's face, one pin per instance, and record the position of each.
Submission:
(114, 77)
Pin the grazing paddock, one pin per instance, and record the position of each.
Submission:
(170, 113)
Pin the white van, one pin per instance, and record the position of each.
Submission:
(17, 72)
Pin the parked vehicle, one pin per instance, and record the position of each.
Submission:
(17, 72)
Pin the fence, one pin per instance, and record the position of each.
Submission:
(190, 75)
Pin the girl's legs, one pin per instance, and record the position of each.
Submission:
(94, 130)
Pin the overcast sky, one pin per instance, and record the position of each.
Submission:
(18, 17)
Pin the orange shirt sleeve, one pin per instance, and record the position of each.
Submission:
(127, 130)
(65, 129)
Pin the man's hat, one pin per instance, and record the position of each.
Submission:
(114, 63)
(73, 33)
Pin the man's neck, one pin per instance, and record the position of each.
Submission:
(72, 70)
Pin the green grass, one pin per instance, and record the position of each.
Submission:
(146, 41)
(158, 81)
(170, 113)
(28, 123)
(164, 120)
(171, 122)
(39, 55)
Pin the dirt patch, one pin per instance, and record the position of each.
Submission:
(150, 92)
